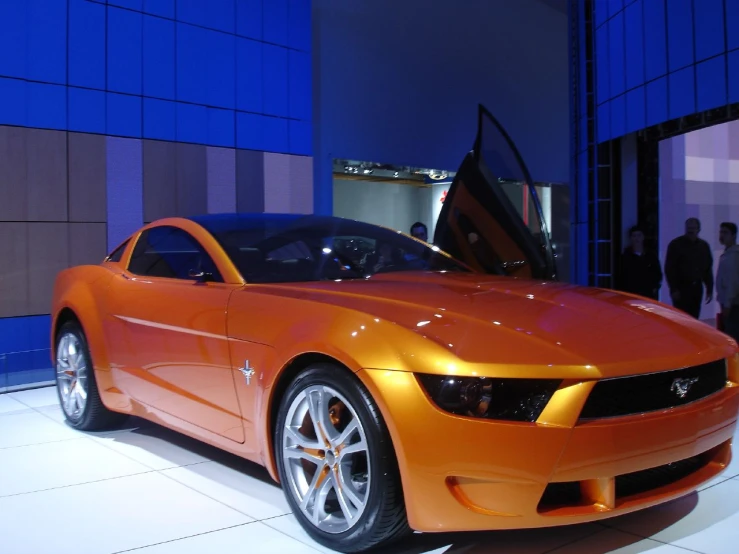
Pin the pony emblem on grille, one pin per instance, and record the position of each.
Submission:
(681, 387)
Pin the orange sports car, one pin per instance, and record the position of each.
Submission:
(390, 386)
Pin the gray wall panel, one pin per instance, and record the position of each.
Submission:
(160, 180)
(13, 174)
(249, 181)
(87, 178)
(46, 165)
(192, 180)
(48, 253)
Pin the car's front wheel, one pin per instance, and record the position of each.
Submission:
(336, 462)
(75, 381)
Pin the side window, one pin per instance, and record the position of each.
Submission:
(297, 250)
(292, 262)
(117, 254)
(172, 253)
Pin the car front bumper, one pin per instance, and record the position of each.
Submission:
(462, 474)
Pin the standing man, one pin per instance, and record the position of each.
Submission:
(727, 280)
(689, 268)
(640, 269)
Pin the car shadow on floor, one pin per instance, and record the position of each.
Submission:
(159, 440)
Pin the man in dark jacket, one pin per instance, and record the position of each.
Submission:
(689, 268)
(640, 270)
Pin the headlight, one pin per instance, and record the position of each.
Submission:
(484, 397)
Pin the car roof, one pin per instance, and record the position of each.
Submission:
(234, 221)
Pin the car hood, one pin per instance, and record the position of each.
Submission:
(483, 318)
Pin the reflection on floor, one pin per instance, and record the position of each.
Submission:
(150, 490)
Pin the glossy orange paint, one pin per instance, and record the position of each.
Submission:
(172, 353)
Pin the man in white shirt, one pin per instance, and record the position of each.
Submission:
(727, 280)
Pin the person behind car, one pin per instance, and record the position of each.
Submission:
(420, 231)
(727, 281)
(689, 268)
(640, 269)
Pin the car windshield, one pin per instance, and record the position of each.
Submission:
(285, 249)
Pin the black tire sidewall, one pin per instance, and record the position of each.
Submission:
(380, 451)
(72, 327)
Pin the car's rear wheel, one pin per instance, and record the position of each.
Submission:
(75, 382)
(336, 462)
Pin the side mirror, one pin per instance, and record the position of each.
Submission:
(200, 276)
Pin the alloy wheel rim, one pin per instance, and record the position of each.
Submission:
(71, 375)
(326, 459)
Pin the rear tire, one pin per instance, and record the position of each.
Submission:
(336, 462)
(76, 385)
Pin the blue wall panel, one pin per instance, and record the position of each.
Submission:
(275, 21)
(603, 72)
(124, 50)
(733, 75)
(13, 30)
(618, 116)
(249, 130)
(657, 101)
(213, 14)
(158, 58)
(162, 8)
(275, 134)
(709, 28)
(249, 18)
(711, 83)
(136, 5)
(123, 115)
(682, 92)
(601, 10)
(732, 24)
(299, 81)
(636, 110)
(677, 55)
(86, 110)
(46, 106)
(86, 44)
(47, 40)
(221, 127)
(616, 53)
(275, 80)
(298, 25)
(13, 101)
(221, 66)
(634, 32)
(192, 122)
(301, 138)
(655, 39)
(160, 119)
(679, 34)
(249, 82)
(192, 63)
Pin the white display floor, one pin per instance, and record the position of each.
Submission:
(152, 491)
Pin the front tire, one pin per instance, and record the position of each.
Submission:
(76, 385)
(336, 462)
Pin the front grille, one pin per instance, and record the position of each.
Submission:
(558, 495)
(656, 391)
(656, 477)
(569, 494)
